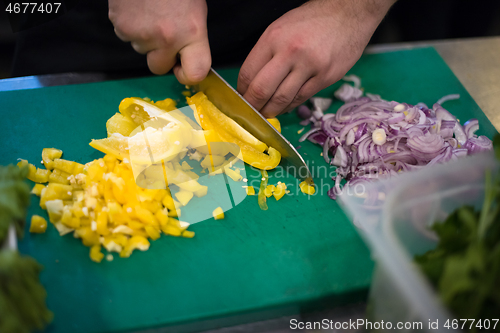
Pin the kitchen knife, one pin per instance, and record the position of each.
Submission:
(233, 105)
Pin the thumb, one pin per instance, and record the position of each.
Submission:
(195, 62)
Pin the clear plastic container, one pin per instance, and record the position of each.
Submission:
(393, 217)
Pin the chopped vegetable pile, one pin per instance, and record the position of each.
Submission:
(125, 199)
(465, 265)
(370, 138)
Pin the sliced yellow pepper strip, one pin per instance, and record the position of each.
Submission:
(208, 109)
(250, 155)
(275, 123)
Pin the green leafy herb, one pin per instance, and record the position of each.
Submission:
(14, 199)
(465, 265)
(22, 297)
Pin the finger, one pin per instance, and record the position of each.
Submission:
(255, 61)
(265, 83)
(160, 61)
(195, 62)
(308, 90)
(141, 47)
(285, 94)
(122, 36)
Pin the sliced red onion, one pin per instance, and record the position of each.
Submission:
(448, 98)
(350, 137)
(422, 118)
(470, 127)
(479, 144)
(354, 79)
(304, 112)
(459, 132)
(326, 147)
(319, 137)
(306, 135)
(415, 136)
(340, 158)
(426, 146)
(305, 122)
(320, 103)
(347, 93)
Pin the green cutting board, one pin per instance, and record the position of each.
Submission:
(302, 253)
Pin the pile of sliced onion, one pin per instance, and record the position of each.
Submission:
(369, 138)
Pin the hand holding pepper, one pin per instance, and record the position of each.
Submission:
(167, 31)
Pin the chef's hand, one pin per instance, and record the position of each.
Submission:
(306, 50)
(167, 31)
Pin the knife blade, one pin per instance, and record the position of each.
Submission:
(233, 105)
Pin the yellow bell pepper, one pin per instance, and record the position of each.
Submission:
(69, 167)
(279, 191)
(95, 253)
(38, 224)
(187, 234)
(134, 243)
(250, 190)
(35, 174)
(307, 188)
(275, 123)
(210, 118)
(48, 155)
(268, 192)
(206, 108)
(37, 189)
(218, 213)
(58, 176)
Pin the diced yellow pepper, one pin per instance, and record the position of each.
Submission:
(184, 197)
(152, 206)
(185, 166)
(70, 167)
(171, 230)
(152, 232)
(269, 190)
(250, 190)
(37, 189)
(55, 210)
(134, 243)
(233, 174)
(187, 234)
(307, 188)
(34, 174)
(38, 224)
(102, 223)
(89, 237)
(145, 216)
(172, 205)
(58, 176)
(218, 213)
(95, 253)
(67, 218)
(55, 191)
(279, 191)
(162, 216)
(48, 155)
